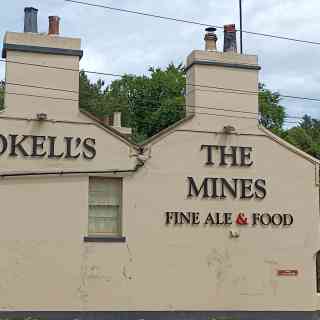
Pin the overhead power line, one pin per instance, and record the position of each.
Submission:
(151, 15)
(203, 113)
(216, 108)
(40, 96)
(238, 117)
(60, 68)
(230, 109)
(240, 91)
(40, 87)
(231, 90)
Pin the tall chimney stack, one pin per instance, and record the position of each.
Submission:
(30, 20)
(210, 39)
(230, 38)
(34, 52)
(229, 70)
(54, 25)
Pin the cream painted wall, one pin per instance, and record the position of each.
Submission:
(112, 153)
(46, 265)
(159, 267)
(205, 268)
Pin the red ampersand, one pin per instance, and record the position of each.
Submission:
(242, 219)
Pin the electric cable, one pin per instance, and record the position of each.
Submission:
(232, 90)
(40, 87)
(151, 15)
(40, 96)
(231, 109)
(190, 106)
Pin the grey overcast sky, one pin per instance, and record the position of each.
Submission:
(127, 43)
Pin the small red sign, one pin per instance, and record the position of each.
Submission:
(287, 273)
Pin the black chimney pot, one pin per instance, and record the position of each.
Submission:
(211, 29)
(30, 20)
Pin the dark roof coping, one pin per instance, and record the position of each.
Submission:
(37, 49)
(223, 64)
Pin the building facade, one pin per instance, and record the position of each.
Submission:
(214, 217)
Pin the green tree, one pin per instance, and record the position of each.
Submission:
(91, 96)
(272, 114)
(306, 136)
(148, 103)
(2, 94)
(151, 103)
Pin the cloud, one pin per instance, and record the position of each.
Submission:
(126, 43)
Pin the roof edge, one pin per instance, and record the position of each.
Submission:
(167, 130)
(110, 129)
(288, 145)
(38, 49)
(223, 64)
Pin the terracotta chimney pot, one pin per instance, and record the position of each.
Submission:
(54, 25)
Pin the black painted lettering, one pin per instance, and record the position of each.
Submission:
(265, 219)
(195, 218)
(37, 146)
(209, 219)
(69, 154)
(246, 188)
(255, 218)
(231, 187)
(276, 219)
(245, 154)
(195, 191)
(224, 155)
(17, 145)
(168, 217)
(185, 218)
(89, 145)
(213, 184)
(209, 153)
(227, 218)
(287, 219)
(4, 144)
(219, 218)
(177, 217)
(52, 143)
(260, 186)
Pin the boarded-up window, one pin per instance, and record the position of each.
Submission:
(105, 196)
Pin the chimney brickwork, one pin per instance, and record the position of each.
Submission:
(230, 38)
(54, 25)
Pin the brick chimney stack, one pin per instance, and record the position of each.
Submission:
(54, 25)
(230, 38)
